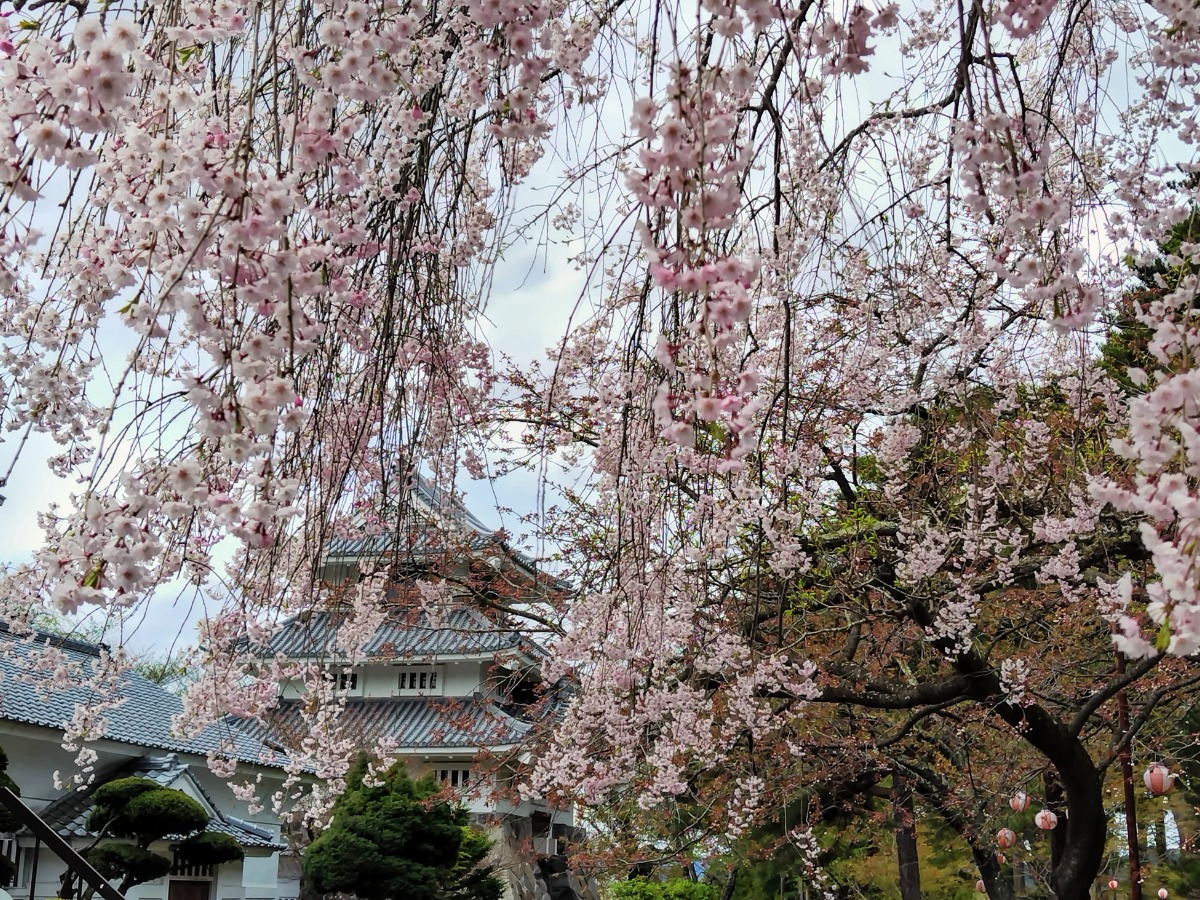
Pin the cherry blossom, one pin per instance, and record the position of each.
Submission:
(846, 273)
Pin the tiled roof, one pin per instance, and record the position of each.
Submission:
(68, 814)
(245, 833)
(420, 722)
(418, 545)
(460, 530)
(439, 526)
(461, 631)
(144, 718)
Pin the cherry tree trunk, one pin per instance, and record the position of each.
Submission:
(1131, 826)
(997, 886)
(1054, 802)
(1085, 831)
(1077, 844)
(906, 839)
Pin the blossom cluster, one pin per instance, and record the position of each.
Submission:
(822, 330)
(691, 166)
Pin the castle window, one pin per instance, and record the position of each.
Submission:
(454, 777)
(347, 681)
(418, 681)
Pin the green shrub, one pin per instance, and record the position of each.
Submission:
(155, 814)
(145, 812)
(131, 864)
(8, 822)
(112, 798)
(671, 889)
(391, 841)
(210, 849)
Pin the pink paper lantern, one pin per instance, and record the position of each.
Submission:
(1158, 779)
(1114, 884)
(1006, 838)
(1045, 820)
(979, 886)
(1019, 802)
(1162, 894)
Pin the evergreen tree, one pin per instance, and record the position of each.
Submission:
(1128, 340)
(389, 841)
(141, 812)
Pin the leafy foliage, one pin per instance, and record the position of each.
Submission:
(8, 822)
(471, 879)
(144, 811)
(389, 841)
(141, 809)
(133, 865)
(210, 849)
(670, 889)
(1127, 344)
(111, 798)
(157, 814)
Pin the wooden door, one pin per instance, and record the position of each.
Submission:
(189, 890)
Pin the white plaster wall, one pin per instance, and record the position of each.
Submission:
(34, 757)
(379, 680)
(294, 689)
(339, 572)
(373, 681)
(289, 876)
(49, 868)
(479, 796)
(260, 875)
(259, 872)
(218, 789)
(463, 678)
(229, 880)
(291, 690)
(460, 678)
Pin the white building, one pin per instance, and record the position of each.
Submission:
(448, 695)
(455, 695)
(136, 739)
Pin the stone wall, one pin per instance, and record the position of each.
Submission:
(544, 878)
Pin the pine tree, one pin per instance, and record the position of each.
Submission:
(388, 841)
(141, 811)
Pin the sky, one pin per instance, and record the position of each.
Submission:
(533, 295)
(526, 314)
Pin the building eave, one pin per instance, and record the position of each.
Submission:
(430, 753)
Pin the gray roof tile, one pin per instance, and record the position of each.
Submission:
(144, 718)
(421, 722)
(68, 814)
(461, 631)
(460, 530)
